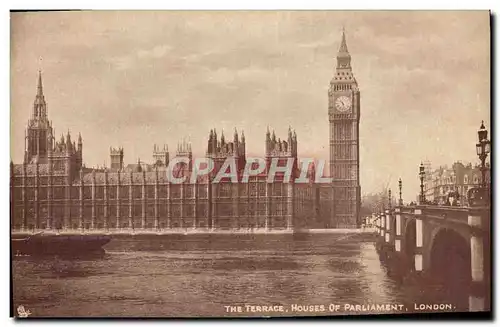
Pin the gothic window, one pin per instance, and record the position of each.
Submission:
(87, 192)
(124, 192)
(262, 188)
(30, 181)
(137, 192)
(162, 191)
(18, 196)
(189, 211)
(175, 210)
(150, 191)
(124, 210)
(243, 189)
(112, 192)
(222, 190)
(150, 211)
(137, 209)
(476, 179)
(75, 192)
(175, 191)
(99, 192)
(58, 192)
(466, 179)
(278, 189)
(202, 191)
(253, 189)
(42, 193)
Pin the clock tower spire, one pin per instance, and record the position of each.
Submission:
(344, 114)
(343, 56)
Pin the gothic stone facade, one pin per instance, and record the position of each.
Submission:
(52, 189)
(44, 196)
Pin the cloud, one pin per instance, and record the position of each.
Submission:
(128, 61)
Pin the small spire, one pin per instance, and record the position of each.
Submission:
(79, 138)
(343, 44)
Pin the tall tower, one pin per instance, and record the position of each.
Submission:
(344, 114)
(39, 134)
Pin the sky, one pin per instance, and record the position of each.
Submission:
(135, 79)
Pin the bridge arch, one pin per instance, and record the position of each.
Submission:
(450, 257)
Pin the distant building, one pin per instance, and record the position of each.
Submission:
(457, 178)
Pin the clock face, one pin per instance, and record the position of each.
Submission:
(343, 103)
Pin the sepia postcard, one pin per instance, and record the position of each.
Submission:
(233, 164)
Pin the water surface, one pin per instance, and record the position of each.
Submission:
(198, 275)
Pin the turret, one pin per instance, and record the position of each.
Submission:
(243, 146)
(80, 143)
(68, 143)
(161, 157)
(116, 156)
(235, 138)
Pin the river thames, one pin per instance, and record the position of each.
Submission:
(225, 275)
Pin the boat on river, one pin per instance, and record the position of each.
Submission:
(70, 244)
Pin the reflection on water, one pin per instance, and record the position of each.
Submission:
(198, 275)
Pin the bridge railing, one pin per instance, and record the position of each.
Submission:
(452, 214)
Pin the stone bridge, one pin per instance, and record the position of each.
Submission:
(453, 242)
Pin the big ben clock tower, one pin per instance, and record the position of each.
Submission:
(343, 114)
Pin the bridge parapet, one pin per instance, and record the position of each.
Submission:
(461, 215)
(450, 214)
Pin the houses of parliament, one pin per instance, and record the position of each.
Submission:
(52, 188)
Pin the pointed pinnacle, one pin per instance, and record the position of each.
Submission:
(343, 44)
(40, 86)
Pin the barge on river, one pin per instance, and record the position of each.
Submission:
(53, 243)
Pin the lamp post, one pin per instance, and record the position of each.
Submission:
(400, 183)
(482, 150)
(390, 204)
(422, 175)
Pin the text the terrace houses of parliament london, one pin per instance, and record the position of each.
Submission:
(52, 188)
